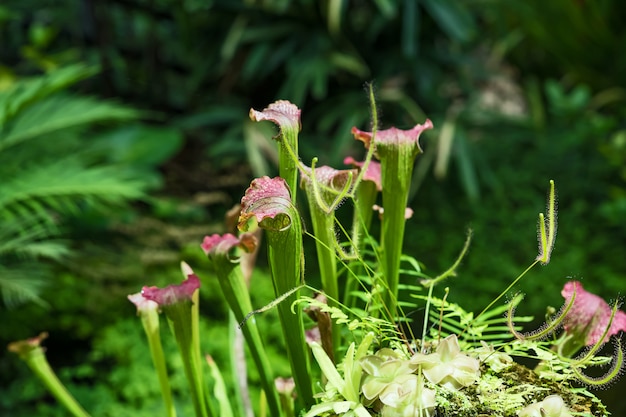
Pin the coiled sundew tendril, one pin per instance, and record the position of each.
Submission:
(545, 330)
(598, 345)
(617, 367)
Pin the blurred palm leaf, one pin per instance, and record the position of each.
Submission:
(57, 113)
(22, 282)
(49, 170)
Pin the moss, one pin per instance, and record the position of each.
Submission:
(504, 393)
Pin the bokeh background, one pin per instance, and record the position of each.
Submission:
(124, 139)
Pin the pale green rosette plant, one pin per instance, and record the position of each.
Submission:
(551, 406)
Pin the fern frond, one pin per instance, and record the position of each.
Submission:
(58, 176)
(63, 185)
(44, 249)
(449, 318)
(30, 238)
(60, 112)
(27, 91)
(22, 283)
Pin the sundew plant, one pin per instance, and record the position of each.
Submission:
(351, 349)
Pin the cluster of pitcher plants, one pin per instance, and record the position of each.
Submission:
(352, 350)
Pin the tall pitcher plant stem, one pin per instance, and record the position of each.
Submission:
(268, 201)
(232, 282)
(147, 310)
(397, 150)
(31, 352)
(180, 303)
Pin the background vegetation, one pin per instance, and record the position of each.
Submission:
(98, 199)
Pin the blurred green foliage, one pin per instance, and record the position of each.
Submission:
(48, 171)
(513, 163)
(520, 92)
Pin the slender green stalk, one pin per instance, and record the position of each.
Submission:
(396, 170)
(397, 150)
(150, 322)
(396, 176)
(236, 293)
(323, 227)
(197, 352)
(322, 205)
(286, 262)
(39, 364)
(180, 319)
(365, 198)
(180, 303)
(325, 189)
(219, 392)
(239, 372)
(33, 354)
(506, 290)
(269, 201)
(288, 168)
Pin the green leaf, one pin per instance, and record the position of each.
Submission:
(453, 18)
(467, 170)
(71, 184)
(25, 92)
(58, 176)
(21, 283)
(57, 113)
(143, 145)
